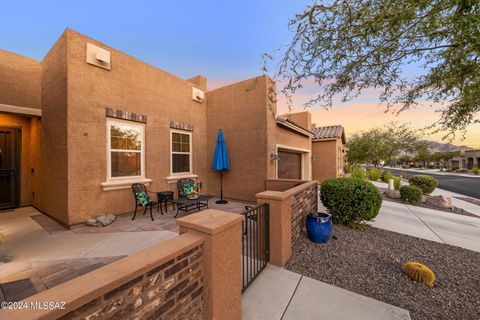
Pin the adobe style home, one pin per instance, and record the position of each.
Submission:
(328, 152)
(80, 126)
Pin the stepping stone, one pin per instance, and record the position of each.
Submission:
(17, 290)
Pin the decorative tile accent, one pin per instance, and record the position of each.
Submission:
(181, 126)
(120, 114)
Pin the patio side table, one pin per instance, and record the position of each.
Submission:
(165, 197)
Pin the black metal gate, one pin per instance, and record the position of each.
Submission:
(255, 243)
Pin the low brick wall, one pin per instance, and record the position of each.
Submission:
(288, 210)
(162, 282)
(173, 289)
(303, 203)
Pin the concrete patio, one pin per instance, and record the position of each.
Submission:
(38, 253)
(281, 294)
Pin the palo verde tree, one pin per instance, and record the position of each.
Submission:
(347, 46)
(379, 146)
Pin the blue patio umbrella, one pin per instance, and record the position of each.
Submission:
(220, 161)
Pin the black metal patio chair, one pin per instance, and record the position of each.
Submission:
(189, 205)
(137, 188)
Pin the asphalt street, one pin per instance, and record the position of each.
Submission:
(463, 185)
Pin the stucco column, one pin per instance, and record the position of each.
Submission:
(222, 264)
(280, 231)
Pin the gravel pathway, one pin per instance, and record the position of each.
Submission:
(369, 263)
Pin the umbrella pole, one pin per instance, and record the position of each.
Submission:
(221, 201)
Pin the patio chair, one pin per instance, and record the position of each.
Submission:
(138, 188)
(181, 183)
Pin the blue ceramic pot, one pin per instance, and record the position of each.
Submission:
(319, 226)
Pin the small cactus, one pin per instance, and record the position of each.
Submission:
(419, 272)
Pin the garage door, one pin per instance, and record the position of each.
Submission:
(289, 165)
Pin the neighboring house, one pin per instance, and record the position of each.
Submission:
(328, 152)
(467, 159)
(80, 126)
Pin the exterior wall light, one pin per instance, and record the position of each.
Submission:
(274, 157)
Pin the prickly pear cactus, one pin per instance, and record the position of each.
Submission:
(419, 272)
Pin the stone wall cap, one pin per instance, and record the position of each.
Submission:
(282, 195)
(210, 221)
(90, 286)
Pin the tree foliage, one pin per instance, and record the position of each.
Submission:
(380, 145)
(347, 46)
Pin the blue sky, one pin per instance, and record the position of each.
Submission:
(223, 40)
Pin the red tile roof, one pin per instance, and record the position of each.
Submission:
(329, 132)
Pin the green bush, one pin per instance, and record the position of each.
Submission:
(347, 169)
(411, 194)
(426, 183)
(374, 174)
(387, 175)
(359, 173)
(476, 171)
(351, 201)
(396, 183)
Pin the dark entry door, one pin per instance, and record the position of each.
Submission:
(9, 167)
(289, 165)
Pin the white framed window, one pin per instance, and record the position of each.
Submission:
(180, 152)
(125, 150)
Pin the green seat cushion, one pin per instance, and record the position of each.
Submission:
(143, 198)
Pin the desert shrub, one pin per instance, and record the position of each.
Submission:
(351, 201)
(476, 171)
(374, 174)
(387, 175)
(411, 194)
(396, 183)
(426, 183)
(359, 173)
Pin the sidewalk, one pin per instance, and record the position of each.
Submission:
(281, 294)
(435, 172)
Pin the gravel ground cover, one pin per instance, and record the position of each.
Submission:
(369, 263)
(454, 210)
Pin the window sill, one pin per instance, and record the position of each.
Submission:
(175, 178)
(124, 183)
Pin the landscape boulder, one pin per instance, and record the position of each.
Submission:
(392, 194)
(440, 201)
(101, 220)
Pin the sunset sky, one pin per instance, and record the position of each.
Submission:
(222, 40)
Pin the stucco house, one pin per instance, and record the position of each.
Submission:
(80, 126)
(328, 152)
(467, 159)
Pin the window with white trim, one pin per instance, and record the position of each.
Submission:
(125, 149)
(181, 152)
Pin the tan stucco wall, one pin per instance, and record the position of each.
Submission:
(51, 172)
(132, 86)
(303, 118)
(281, 136)
(325, 159)
(240, 111)
(19, 80)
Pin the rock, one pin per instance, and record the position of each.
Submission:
(101, 220)
(424, 199)
(440, 201)
(392, 194)
(105, 219)
(92, 222)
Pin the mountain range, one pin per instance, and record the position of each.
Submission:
(435, 146)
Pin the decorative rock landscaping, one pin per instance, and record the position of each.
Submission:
(370, 263)
(102, 220)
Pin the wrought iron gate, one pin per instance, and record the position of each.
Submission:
(255, 243)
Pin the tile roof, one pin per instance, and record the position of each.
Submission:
(329, 132)
(284, 119)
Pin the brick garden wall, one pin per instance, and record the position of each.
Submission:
(303, 203)
(173, 290)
